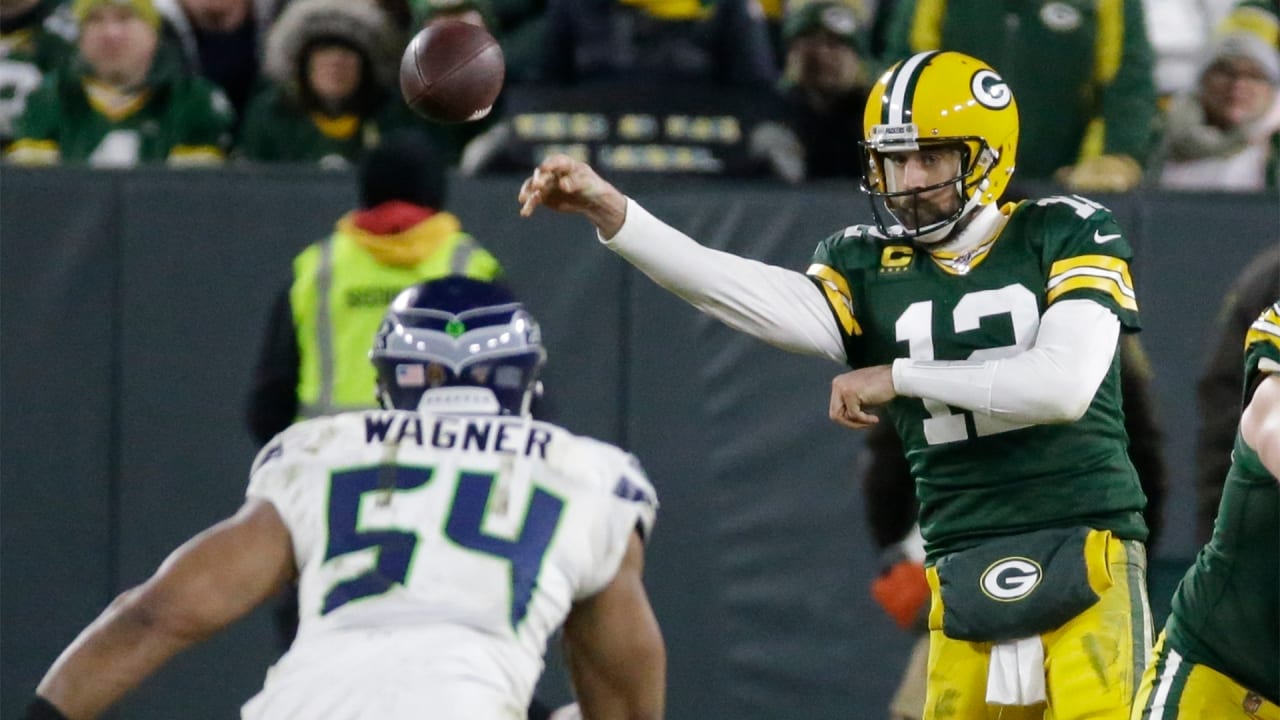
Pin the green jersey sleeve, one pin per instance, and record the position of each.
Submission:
(204, 123)
(1086, 255)
(837, 268)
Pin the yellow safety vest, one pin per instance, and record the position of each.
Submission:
(339, 295)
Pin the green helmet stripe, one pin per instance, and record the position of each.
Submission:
(901, 88)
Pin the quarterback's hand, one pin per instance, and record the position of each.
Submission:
(1102, 173)
(856, 393)
(564, 184)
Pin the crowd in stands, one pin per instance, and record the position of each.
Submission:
(1176, 93)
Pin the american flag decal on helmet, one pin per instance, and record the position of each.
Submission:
(410, 375)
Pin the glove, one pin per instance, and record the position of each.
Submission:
(903, 592)
(1102, 173)
(41, 709)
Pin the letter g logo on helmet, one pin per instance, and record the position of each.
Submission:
(1011, 579)
(990, 90)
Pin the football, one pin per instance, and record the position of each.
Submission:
(452, 72)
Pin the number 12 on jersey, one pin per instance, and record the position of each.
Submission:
(394, 548)
(915, 327)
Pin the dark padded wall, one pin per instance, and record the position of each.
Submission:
(57, 446)
(131, 309)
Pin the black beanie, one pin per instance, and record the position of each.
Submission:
(406, 167)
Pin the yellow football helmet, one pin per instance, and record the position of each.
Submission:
(935, 99)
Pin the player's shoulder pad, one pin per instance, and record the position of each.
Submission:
(605, 468)
(1065, 210)
(1072, 225)
(313, 437)
(849, 247)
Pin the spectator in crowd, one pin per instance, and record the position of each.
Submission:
(891, 508)
(123, 100)
(222, 40)
(825, 83)
(1219, 653)
(1224, 134)
(1221, 382)
(1081, 71)
(722, 43)
(1179, 31)
(313, 359)
(333, 90)
(460, 635)
(36, 38)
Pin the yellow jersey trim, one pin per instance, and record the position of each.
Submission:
(189, 155)
(339, 128)
(1095, 272)
(836, 288)
(1265, 329)
(27, 151)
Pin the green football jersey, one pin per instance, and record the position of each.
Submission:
(1226, 611)
(278, 130)
(979, 476)
(180, 118)
(38, 42)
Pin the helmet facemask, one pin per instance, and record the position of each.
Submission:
(911, 212)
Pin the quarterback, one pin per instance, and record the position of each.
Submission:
(987, 335)
(436, 544)
(1219, 654)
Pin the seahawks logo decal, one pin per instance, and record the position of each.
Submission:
(1011, 579)
(990, 90)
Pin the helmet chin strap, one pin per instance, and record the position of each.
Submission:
(951, 236)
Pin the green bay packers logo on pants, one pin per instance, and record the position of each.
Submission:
(1011, 579)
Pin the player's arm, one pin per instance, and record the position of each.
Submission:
(614, 648)
(1260, 423)
(1053, 381)
(779, 306)
(210, 581)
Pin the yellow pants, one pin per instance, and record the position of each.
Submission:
(1174, 689)
(1092, 663)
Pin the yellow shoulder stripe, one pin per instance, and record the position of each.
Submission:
(1265, 329)
(1095, 272)
(836, 288)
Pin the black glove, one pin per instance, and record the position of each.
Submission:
(41, 709)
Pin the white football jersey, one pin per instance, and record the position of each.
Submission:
(436, 555)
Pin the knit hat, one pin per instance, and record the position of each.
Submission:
(406, 167)
(1246, 44)
(144, 8)
(836, 18)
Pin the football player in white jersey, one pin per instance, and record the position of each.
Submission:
(437, 545)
